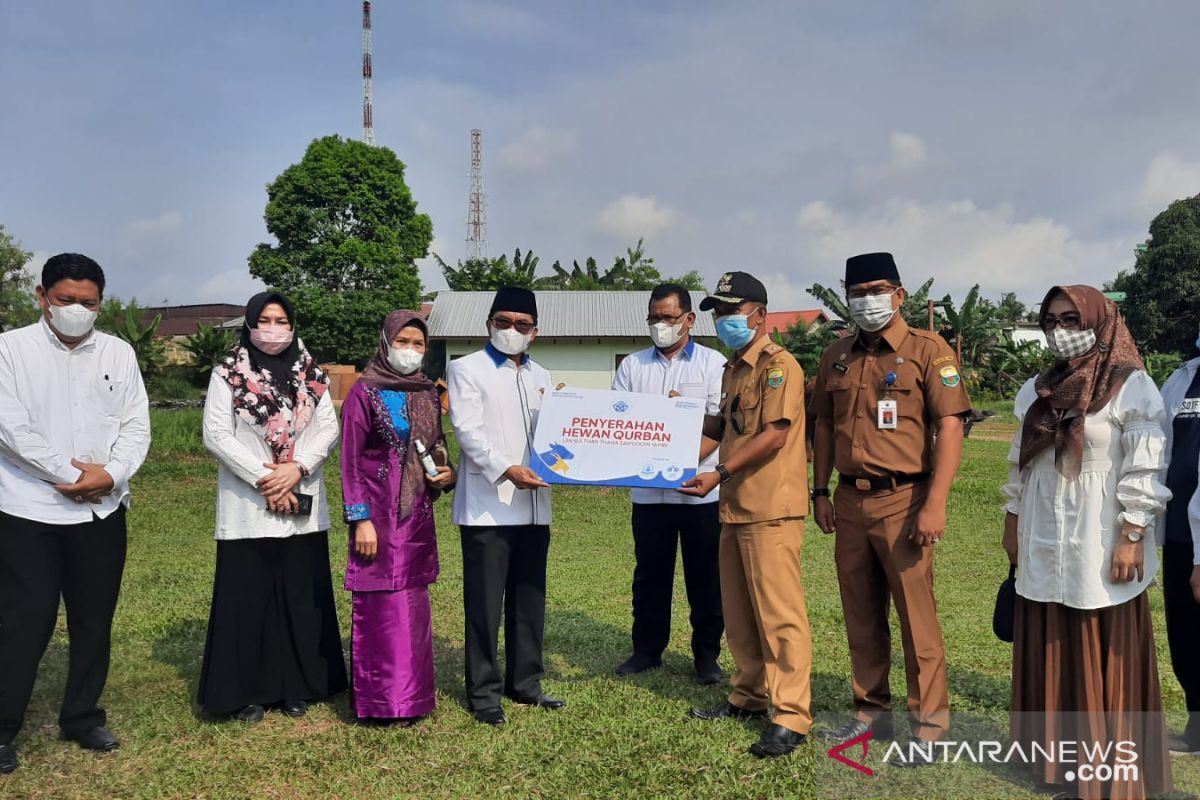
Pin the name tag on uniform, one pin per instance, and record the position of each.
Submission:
(887, 415)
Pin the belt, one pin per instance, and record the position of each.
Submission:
(882, 484)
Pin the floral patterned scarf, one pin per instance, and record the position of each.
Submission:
(280, 413)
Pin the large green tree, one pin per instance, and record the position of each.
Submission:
(17, 306)
(1161, 290)
(348, 236)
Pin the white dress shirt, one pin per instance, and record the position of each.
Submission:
(494, 408)
(1067, 529)
(1174, 392)
(57, 403)
(695, 371)
(242, 452)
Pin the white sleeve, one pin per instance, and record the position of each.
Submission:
(220, 436)
(467, 418)
(133, 440)
(20, 443)
(321, 441)
(1015, 486)
(622, 381)
(1139, 415)
(714, 376)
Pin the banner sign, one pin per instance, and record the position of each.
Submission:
(602, 438)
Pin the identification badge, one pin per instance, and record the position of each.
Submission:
(887, 415)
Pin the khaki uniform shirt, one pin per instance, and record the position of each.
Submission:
(764, 385)
(851, 382)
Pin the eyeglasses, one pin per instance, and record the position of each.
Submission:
(874, 291)
(654, 320)
(504, 323)
(1068, 322)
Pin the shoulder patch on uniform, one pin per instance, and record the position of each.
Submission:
(942, 360)
(772, 348)
(950, 376)
(775, 377)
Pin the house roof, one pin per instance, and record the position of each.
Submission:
(598, 314)
(782, 320)
(187, 320)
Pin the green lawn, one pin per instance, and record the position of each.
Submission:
(617, 738)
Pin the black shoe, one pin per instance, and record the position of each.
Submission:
(854, 729)
(776, 741)
(8, 759)
(726, 710)
(1186, 744)
(638, 663)
(251, 715)
(708, 673)
(917, 753)
(294, 708)
(491, 716)
(97, 739)
(541, 701)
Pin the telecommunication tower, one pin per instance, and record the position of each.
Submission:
(477, 202)
(368, 133)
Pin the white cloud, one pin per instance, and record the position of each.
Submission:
(908, 150)
(536, 147)
(634, 216)
(138, 229)
(958, 243)
(231, 286)
(1169, 178)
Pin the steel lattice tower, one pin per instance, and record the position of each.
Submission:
(477, 202)
(368, 133)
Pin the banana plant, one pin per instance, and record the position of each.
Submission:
(207, 346)
(149, 350)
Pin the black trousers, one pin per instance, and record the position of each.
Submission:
(40, 563)
(504, 567)
(1183, 625)
(656, 529)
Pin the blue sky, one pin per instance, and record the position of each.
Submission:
(1006, 142)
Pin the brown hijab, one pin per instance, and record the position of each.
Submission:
(424, 410)
(1069, 390)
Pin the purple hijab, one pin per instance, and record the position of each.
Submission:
(424, 410)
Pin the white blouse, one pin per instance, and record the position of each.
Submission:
(1067, 529)
(241, 453)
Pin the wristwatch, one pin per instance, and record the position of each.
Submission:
(820, 493)
(1134, 536)
(724, 473)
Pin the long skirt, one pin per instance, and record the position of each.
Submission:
(392, 654)
(273, 629)
(1085, 688)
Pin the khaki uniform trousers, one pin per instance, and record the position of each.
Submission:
(766, 621)
(876, 560)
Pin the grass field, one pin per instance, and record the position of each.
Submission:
(617, 738)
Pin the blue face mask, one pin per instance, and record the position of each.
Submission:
(733, 331)
(1198, 343)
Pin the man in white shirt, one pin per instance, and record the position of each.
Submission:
(74, 428)
(502, 508)
(676, 365)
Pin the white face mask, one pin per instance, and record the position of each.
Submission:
(72, 321)
(510, 342)
(406, 360)
(665, 335)
(1067, 345)
(873, 311)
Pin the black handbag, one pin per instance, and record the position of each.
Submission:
(1006, 607)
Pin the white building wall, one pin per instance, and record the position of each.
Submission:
(585, 363)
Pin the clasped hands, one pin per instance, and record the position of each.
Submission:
(93, 485)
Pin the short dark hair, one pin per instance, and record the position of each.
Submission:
(73, 267)
(665, 290)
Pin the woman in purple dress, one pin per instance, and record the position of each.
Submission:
(389, 506)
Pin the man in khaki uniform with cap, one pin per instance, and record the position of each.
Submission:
(889, 406)
(763, 502)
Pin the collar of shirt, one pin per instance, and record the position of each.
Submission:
(686, 352)
(500, 359)
(753, 351)
(894, 334)
(87, 344)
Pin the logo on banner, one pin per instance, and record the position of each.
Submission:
(620, 406)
